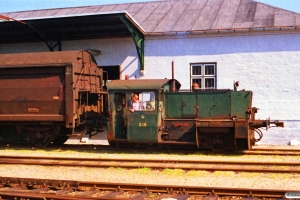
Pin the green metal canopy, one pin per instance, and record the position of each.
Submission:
(55, 29)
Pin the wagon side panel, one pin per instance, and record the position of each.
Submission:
(32, 94)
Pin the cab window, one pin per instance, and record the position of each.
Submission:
(148, 100)
(142, 101)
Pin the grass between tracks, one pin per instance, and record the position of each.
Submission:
(179, 173)
(150, 155)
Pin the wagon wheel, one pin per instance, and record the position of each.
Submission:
(44, 139)
(218, 149)
(63, 136)
(42, 142)
(60, 140)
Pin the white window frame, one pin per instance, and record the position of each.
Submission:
(203, 77)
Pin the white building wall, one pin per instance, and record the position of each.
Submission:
(269, 65)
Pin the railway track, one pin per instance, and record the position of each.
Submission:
(189, 150)
(207, 165)
(72, 190)
(273, 151)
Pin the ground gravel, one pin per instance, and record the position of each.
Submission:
(147, 176)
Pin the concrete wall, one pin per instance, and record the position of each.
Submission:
(268, 65)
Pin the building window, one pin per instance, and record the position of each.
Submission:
(204, 74)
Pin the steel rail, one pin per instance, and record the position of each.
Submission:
(208, 165)
(98, 148)
(273, 151)
(202, 161)
(146, 188)
(32, 196)
(276, 149)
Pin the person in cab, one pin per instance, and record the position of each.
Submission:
(134, 103)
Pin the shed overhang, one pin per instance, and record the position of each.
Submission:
(53, 30)
(68, 27)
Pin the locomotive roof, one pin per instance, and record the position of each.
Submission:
(144, 84)
(46, 59)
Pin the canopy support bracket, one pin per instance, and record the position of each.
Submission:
(138, 39)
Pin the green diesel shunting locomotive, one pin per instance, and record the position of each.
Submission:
(214, 119)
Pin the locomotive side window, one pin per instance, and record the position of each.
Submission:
(148, 100)
(204, 74)
(142, 101)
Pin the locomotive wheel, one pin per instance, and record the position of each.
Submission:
(112, 144)
(216, 142)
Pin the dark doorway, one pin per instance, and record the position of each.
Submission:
(110, 73)
(113, 72)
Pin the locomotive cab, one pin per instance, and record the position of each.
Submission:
(132, 125)
(142, 124)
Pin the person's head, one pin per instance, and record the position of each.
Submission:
(135, 97)
(195, 86)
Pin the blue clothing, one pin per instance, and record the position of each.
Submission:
(135, 105)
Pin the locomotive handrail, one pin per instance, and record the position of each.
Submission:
(197, 111)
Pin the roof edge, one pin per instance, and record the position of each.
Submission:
(221, 31)
(127, 15)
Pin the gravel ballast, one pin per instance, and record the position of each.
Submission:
(163, 177)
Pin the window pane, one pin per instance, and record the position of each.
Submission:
(209, 83)
(148, 100)
(209, 69)
(196, 70)
(204, 74)
(198, 81)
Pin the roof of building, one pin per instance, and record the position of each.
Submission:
(185, 15)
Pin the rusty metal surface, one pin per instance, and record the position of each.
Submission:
(120, 187)
(35, 86)
(52, 59)
(188, 15)
(45, 86)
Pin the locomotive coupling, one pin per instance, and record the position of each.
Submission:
(265, 123)
(278, 123)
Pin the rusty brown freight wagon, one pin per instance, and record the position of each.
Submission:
(46, 95)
